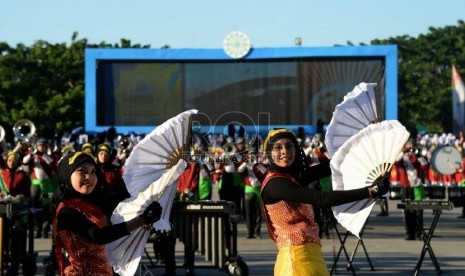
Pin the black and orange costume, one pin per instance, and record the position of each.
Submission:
(288, 208)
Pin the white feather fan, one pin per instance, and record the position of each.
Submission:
(354, 113)
(157, 152)
(359, 161)
(124, 254)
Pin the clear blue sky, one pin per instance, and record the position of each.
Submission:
(205, 23)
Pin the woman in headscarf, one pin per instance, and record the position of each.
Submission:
(80, 228)
(288, 204)
(15, 186)
(14, 181)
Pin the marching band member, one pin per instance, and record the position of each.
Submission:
(113, 173)
(205, 178)
(254, 172)
(164, 242)
(188, 182)
(42, 168)
(88, 148)
(408, 167)
(124, 149)
(423, 159)
(217, 166)
(13, 180)
(288, 204)
(231, 183)
(65, 150)
(460, 180)
(16, 183)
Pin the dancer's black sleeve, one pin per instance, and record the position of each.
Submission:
(281, 188)
(72, 220)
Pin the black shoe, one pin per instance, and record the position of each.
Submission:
(410, 237)
(160, 262)
(251, 237)
(169, 273)
(38, 236)
(462, 216)
(383, 214)
(190, 272)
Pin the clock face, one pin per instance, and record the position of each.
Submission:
(237, 44)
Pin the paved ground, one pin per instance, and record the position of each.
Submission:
(383, 238)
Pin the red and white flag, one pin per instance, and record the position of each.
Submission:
(458, 101)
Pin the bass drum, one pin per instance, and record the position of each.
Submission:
(446, 160)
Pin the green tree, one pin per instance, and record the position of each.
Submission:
(425, 64)
(45, 84)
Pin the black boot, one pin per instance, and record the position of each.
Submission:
(410, 221)
(463, 213)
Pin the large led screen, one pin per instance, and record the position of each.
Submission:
(137, 89)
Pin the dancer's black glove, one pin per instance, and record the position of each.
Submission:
(152, 213)
(380, 186)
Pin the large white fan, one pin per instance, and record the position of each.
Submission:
(356, 164)
(354, 113)
(150, 173)
(124, 254)
(157, 152)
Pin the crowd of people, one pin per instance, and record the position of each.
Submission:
(262, 186)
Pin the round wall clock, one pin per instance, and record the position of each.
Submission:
(237, 44)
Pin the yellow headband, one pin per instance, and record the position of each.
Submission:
(104, 147)
(14, 154)
(87, 145)
(274, 133)
(72, 158)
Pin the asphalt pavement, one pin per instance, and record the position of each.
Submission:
(382, 249)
